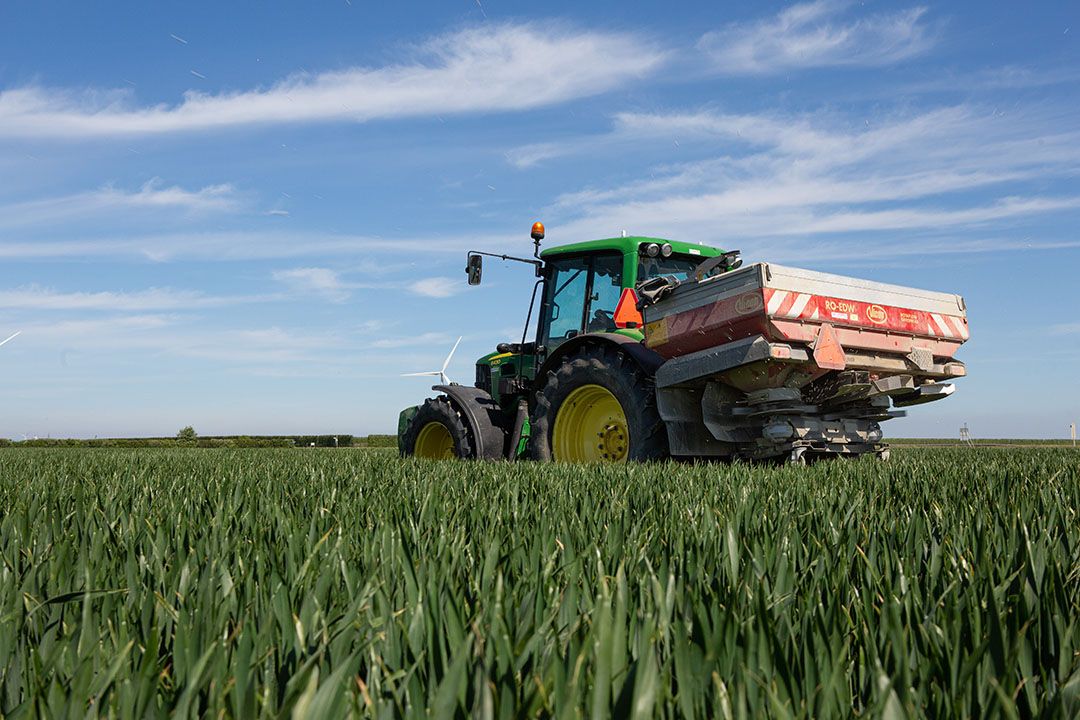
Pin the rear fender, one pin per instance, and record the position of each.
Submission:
(648, 360)
(488, 423)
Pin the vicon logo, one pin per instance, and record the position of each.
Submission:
(877, 314)
(748, 303)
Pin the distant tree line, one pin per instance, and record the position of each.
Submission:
(205, 441)
(376, 441)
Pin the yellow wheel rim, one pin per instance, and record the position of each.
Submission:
(434, 441)
(590, 427)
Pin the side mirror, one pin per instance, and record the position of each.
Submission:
(475, 269)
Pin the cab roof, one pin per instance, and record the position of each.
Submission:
(629, 245)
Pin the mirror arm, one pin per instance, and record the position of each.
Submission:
(535, 263)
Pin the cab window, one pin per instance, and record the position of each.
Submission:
(565, 304)
(606, 290)
(681, 266)
(580, 296)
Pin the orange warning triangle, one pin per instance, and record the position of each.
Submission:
(626, 311)
(828, 354)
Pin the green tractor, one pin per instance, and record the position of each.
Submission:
(581, 391)
(647, 348)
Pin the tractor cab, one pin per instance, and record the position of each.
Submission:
(590, 287)
(587, 287)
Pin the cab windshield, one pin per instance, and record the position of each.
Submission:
(681, 266)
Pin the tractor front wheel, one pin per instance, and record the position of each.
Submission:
(437, 431)
(598, 406)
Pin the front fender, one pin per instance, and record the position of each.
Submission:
(487, 421)
(403, 420)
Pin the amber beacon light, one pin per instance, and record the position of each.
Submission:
(538, 230)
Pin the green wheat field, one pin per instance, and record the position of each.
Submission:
(307, 583)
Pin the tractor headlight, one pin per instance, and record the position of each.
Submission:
(665, 250)
(651, 250)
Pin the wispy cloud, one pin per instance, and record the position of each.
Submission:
(179, 336)
(817, 34)
(436, 287)
(492, 68)
(240, 245)
(994, 79)
(261, 346)
(152, 196)
(34, 297)
(528, 155)
(316, 280)
(421, 340)
(106, 330)
(777, 175)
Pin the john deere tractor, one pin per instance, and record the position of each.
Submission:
(753, 362)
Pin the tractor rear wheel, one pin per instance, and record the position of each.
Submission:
(598, 406)
(437, 431)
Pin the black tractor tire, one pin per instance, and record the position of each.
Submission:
(620, 374)
(439, 410)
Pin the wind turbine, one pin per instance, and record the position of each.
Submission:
(441, 373)
(15, 335)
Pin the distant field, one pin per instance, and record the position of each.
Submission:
(989, 442)
(210, 441)
(270, 582)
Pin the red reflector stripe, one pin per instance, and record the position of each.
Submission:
(788, 304)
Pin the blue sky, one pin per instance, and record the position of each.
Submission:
(251, 218)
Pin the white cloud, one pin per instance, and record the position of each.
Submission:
(812, 34)
(33, 297)
(317, 280)
(154, 194)
(87, 329)
(528, 155)
(241, 245)
(152, 197)
(491, 68)
(994, 79)
(436, 287)
(164, 336)
(913, 249)
(372, 325)
(422, 340)
(934, 217)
